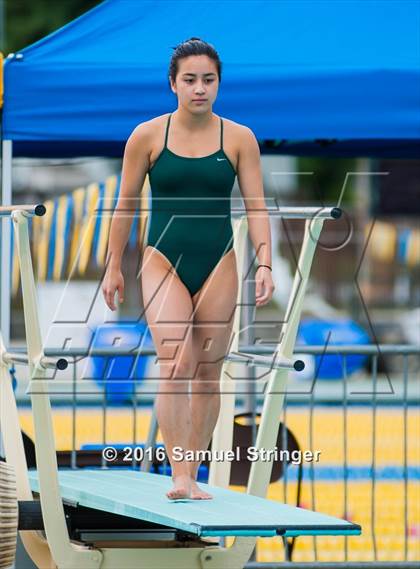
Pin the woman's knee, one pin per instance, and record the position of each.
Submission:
(183, 369)
(177, 370)
(208, 377)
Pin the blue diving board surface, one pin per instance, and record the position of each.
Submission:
(142, 495)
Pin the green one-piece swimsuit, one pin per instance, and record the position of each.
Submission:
(190, 211)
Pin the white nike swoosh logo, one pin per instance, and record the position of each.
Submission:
(220, 159)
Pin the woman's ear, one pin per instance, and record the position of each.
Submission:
(172, 85)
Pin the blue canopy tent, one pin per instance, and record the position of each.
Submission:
(334, 78)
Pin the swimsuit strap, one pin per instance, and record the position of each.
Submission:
(221, 133)
(167, 130)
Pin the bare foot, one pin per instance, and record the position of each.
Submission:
(182, 487)
(197, 493)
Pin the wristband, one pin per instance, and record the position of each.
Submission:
(268, 267)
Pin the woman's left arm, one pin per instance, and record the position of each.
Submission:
(252, 190)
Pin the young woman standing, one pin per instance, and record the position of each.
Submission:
(188, 275)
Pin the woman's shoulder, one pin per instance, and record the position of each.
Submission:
(150, 127)
(146, 134)
(237, 131)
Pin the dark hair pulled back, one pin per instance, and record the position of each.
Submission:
(193, 46)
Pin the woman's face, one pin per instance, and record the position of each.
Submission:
(196, 83)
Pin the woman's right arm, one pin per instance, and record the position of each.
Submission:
(134, 169)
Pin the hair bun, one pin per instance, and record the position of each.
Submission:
(190, 40)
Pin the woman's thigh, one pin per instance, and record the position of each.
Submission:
(168, 310)
(214, 310)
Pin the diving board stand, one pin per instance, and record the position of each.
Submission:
(276, 384)
(135, 495)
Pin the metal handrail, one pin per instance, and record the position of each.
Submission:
(248, 350)
(45, 361)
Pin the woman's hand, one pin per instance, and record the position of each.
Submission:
(264, 286)
(113, 281)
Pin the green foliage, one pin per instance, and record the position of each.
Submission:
(326, 183)
(27, 21)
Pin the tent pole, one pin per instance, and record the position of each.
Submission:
(5, 258)
(5, 199)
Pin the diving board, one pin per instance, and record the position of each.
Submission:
(142, 495)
